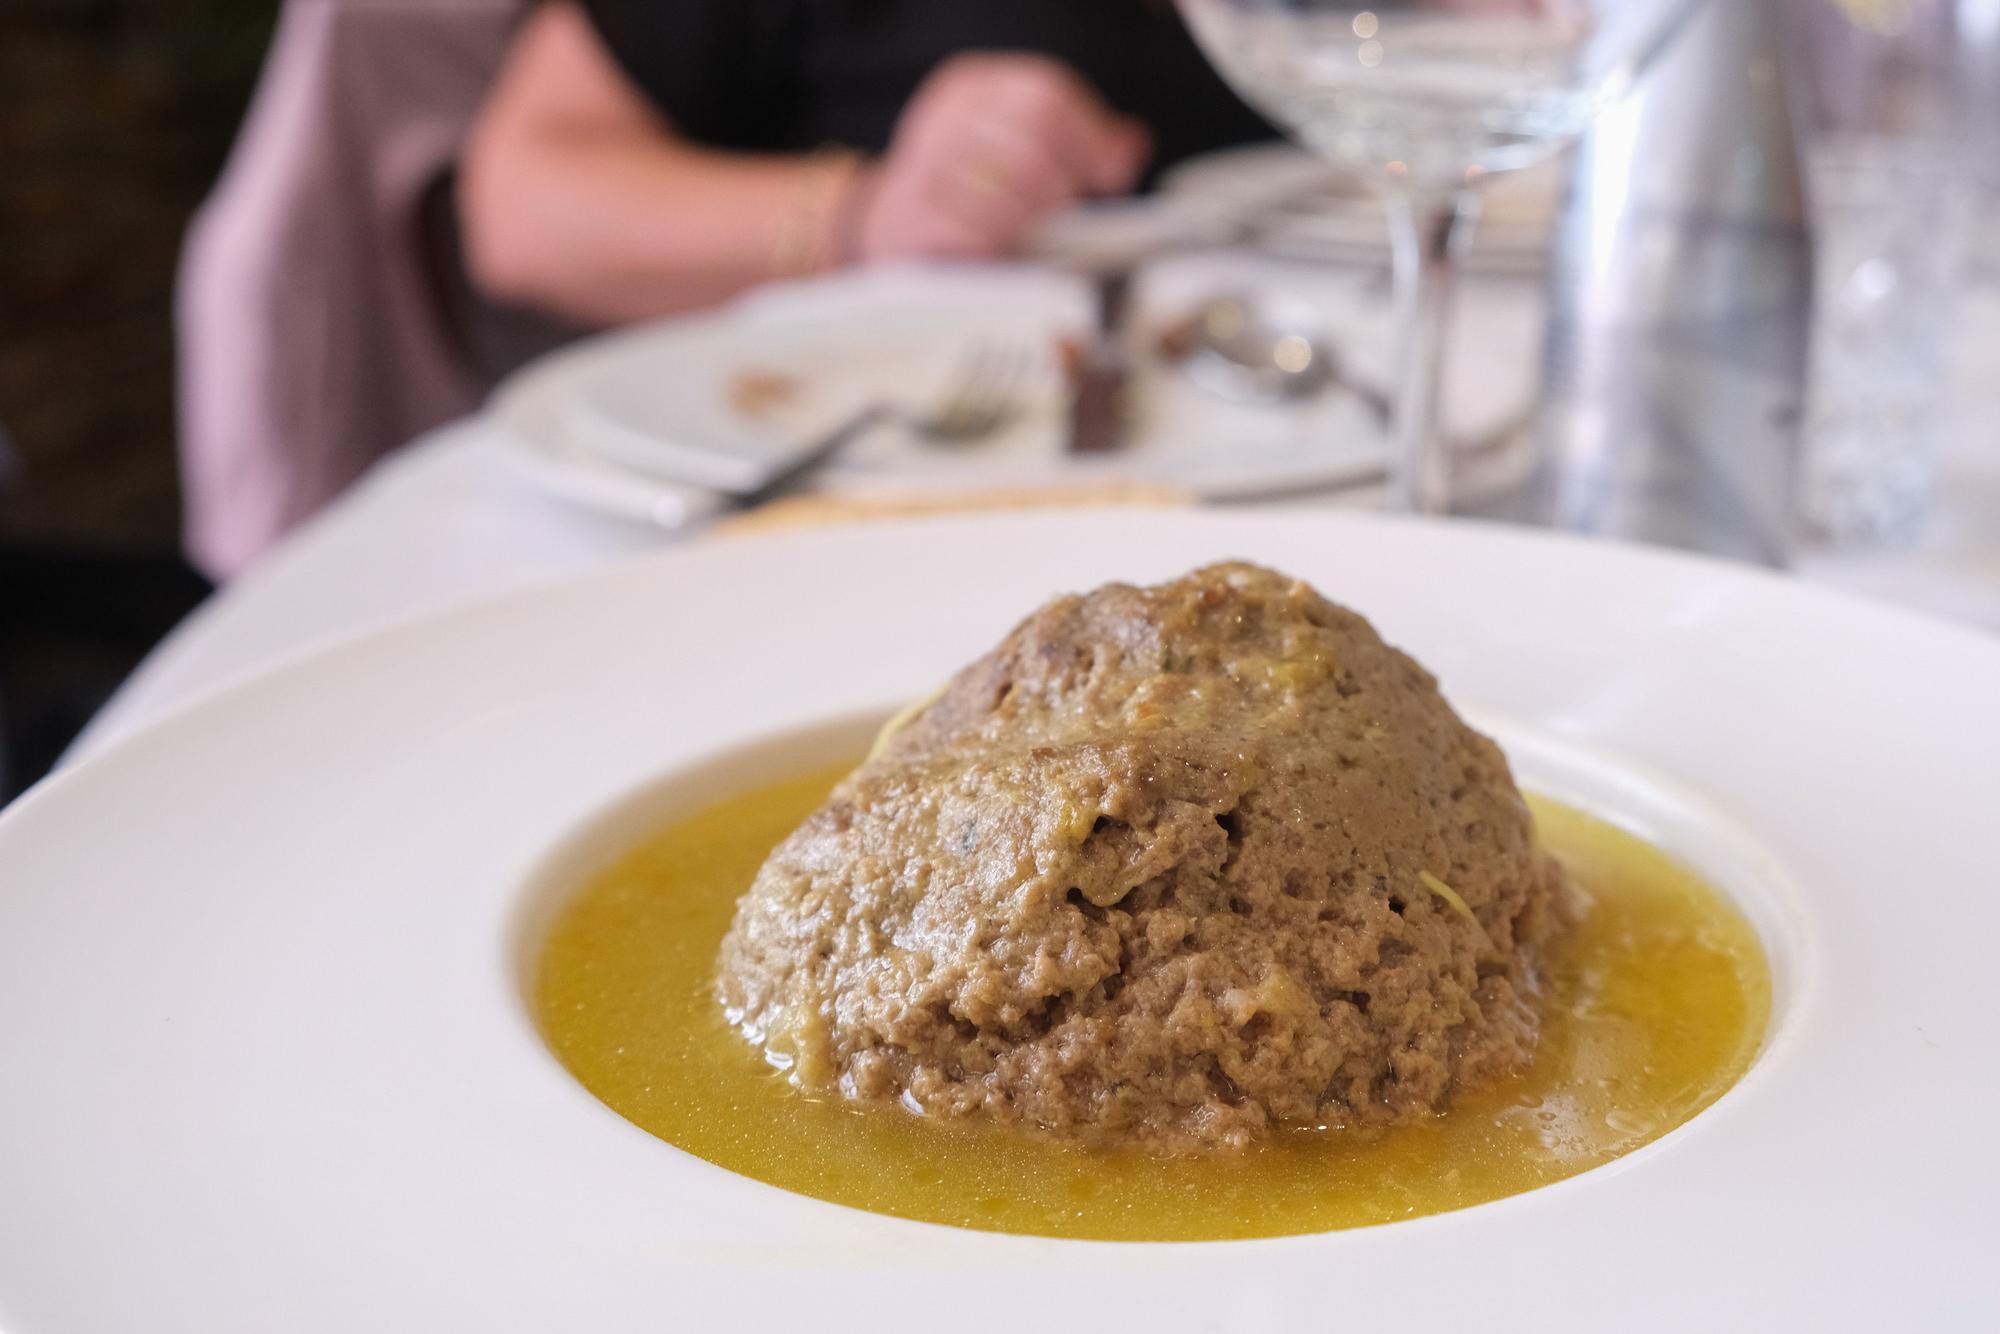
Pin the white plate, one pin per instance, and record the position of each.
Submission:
(1308, 209)
(640, 421)
(654, 403)
(265, 1062)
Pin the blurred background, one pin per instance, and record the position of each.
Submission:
(115, 116)
(1722, 277)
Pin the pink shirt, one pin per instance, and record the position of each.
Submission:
(309, 340)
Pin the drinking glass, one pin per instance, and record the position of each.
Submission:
(1422, 100)
(1892, 103)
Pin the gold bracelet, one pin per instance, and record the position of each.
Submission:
(806, 242)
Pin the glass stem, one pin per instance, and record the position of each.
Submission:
(1428, 234)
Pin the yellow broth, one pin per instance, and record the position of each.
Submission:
(1657, 1005)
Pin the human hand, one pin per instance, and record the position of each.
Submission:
(988, 146)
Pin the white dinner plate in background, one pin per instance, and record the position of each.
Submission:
(648, 420)
(1306, 209)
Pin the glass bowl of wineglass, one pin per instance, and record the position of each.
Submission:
(1422, 101)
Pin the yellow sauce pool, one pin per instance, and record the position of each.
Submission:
(1658, 1006)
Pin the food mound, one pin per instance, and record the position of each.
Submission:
(1178, 865)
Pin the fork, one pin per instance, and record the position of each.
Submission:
(981, 396)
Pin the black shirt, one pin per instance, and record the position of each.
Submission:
(791, 75)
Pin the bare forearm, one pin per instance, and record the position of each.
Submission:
(607, 229)
(577, 197)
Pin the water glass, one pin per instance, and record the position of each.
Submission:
(1884, 98)
(1424, 100)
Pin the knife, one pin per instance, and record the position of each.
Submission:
(1100, 407)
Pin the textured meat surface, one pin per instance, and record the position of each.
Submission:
(1175, 864)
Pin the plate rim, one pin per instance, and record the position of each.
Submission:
(1835, 600)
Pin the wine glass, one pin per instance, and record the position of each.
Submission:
(1422, 100)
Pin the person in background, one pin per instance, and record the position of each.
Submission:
(428, 194)
(636, 158)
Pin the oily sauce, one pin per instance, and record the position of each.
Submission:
(1658, 1004)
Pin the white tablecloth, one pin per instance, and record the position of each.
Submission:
(449, 519)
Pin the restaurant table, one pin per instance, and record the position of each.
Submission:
(449, 518)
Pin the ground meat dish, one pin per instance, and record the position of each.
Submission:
(1181, 865)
